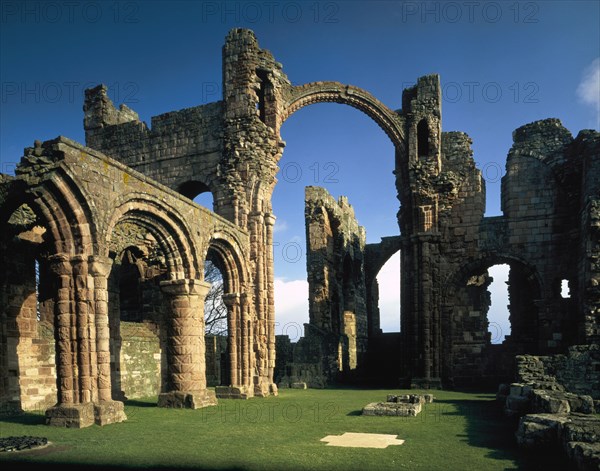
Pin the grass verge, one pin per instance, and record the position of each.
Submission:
(458, 431)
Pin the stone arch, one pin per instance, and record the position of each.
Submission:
(163, 222)
(379, 254)
(63, 208)
(229, 260)
(76, 297)
(225, 252)
(376, 257)
(323, 92)
(488, 260)
(468, 352)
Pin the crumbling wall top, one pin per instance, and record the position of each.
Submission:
(99, 110)
(540, 139)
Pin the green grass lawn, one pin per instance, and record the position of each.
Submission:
(459, 431)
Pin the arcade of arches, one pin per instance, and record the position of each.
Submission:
(103, 252)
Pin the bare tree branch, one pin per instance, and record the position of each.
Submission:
(215, 311)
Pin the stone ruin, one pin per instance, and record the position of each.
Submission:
(555, 398)
(405, 405)
(103, 251)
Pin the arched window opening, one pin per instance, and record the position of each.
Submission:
(565, 289)
(205, 200)
(198, 192)
(423, 138)
(499, 323)
(215, 330)
(262, 92)
(387, 286)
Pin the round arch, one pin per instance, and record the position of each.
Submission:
(63, 208)
(169, 229)
(225, 252)
(335, 92)
(483, 263)
(465, 323)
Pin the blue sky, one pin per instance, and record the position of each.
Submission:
(502, 64)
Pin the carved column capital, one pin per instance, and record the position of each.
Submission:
(270, 219)
(231, 299)
(99, 265)
(185, 287)
(60, 264)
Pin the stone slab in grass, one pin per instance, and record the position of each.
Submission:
(397, 409)
(362, 440)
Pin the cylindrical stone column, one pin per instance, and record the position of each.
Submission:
(232, 302)
(198, 291)
(99, 268)
(270, 291)
(185, 329)
(80, 278)
(246, 340)
(60, 266)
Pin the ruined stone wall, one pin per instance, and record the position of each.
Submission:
(578, 370)
(216, 364)
(337, 291)
(83, 200)
(545, 195)
(140, 373)
(27, 353)
(181, 149)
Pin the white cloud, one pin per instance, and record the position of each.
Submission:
(389, 294)
(588, 90)
(280, 226)
(291, 307)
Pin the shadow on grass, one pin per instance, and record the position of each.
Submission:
(354, 413)
(140, 403)
(23, 418)
(488, 427)
(20, 465)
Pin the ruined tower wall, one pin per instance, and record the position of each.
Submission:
(337, 291)
(181, 146)
(542, 194)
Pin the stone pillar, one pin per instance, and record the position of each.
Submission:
(82, 347)
(106, 410)
(80, 278)
(232, 302)
(258, 253)
(239, 349)
(69, 411)
(61, 268)
(270, 305)
(423, 304)
(248, 364)
(184, 300)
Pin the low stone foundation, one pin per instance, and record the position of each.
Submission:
(577, 434)
(187, 400)
(71, 416)
(408, 405)
(109, 412)
(555, 398)
(233, 392)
